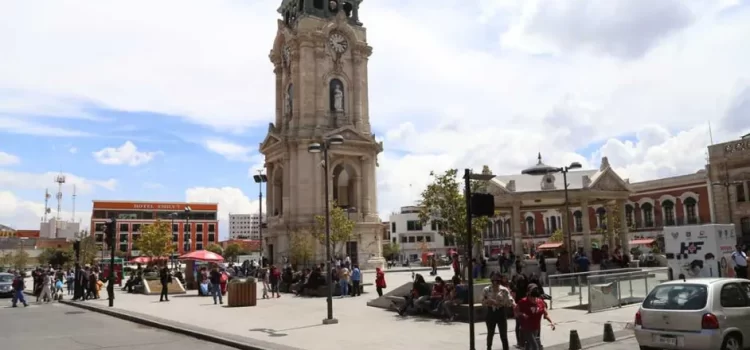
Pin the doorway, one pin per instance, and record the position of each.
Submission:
(352, 252)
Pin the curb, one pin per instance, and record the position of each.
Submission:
(230, 340)
(591, 342)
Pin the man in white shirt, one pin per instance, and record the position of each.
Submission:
(739, 259)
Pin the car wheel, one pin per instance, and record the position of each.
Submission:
(732, 342)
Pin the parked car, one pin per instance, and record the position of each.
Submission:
(6, 285)
(695, 314)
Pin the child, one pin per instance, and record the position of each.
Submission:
(58, 294)
(264, 275)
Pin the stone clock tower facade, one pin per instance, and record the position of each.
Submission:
(320, 57)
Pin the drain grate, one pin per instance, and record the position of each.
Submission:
(75, 312)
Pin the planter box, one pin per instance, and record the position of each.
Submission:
(241, 294)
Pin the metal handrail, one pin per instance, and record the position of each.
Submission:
(618, 277)
(594, 272)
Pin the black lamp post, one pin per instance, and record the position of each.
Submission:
(171, 228)
(468, 176)
(112, 230)
(543, 169)
(187, 228)
(318, 148)
(260, 179)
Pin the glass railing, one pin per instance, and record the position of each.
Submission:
(618, 289)
(572, 290)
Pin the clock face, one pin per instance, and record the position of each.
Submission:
(338, 43)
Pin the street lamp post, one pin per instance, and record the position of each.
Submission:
(260, 179)
(543, 169)
(187, 228)
(468, 176)
(318, 148)
(171, 228)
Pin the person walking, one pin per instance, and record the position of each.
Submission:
(739, 258)
(344, 281)
(531, 310)
(18, 287)
(46, 294)
(215, 278)
(356, 281)
(379, 281)
(497, 299)
(165, 278)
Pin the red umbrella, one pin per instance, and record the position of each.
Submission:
(202, 255)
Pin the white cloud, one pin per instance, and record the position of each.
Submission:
(461, 84)
(33, 181)
(23, 214)
(30, 127)
(230, 199)
(229, 150)
(8, 159)
(153, 186)
(73, 150)
(127, 154)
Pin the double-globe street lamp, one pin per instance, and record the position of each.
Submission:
(172, 216)
(543, 169)
(260, 179)
(318, 148)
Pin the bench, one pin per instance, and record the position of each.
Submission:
(461, 311)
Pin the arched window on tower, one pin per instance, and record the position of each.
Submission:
(745, 226)
(578, 221)
(530, 226)
(348, 9)
(667, 208)
(301, 5)
(647, 210)
(691, 211)
(319, 4)
(601, 217)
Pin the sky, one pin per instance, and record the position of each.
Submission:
(169, 100)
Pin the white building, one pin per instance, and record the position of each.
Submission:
(59, 229)
(415, 239)
(244, 226)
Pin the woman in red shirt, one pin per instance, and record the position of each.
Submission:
(379, 281)
(531, 310)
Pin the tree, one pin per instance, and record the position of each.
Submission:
(342, 228)
(557, 237)
(56, 257)
(156, 239)
(215, 248)
(6, 259)
(391, 251)
(20, 259)
(301, 248)
(444, 203)
(232, 251)
(89, 250)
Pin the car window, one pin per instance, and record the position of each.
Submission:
(6, 278)
(677, 297)
(745, 287)
(733, 296)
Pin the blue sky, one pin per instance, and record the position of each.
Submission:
(133, 108)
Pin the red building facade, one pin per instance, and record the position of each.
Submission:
(194, 225)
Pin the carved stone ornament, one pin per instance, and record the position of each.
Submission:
(585, 181)
(737, 146)
(548, 182)
(511, 186)
(607, 183)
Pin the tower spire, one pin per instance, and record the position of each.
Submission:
(60, 179)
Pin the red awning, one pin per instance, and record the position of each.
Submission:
(202, 255)
(642, 241)
(550, 246)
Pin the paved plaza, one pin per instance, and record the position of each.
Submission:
(63, 327)
(295, 323)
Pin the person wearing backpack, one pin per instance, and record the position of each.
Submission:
(18, 287)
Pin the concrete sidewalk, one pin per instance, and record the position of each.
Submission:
(291, 323)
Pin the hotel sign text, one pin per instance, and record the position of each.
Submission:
(159, 206)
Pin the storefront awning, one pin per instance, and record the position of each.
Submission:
(645, 241)
(550, 246)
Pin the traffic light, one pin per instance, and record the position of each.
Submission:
(110, 232)
(482, 204)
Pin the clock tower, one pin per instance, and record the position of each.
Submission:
(320, 57)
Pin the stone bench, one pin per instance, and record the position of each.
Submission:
(461, 311)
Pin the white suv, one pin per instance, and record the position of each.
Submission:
(695, 314)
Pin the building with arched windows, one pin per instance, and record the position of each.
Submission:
(729, 181)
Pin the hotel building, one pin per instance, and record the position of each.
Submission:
(194, 225)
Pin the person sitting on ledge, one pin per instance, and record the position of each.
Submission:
(302, 282)
(418, 299)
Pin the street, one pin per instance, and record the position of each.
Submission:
(68, 328)
(625, 344)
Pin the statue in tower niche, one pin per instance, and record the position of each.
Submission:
(288, 101)
(338, 99)
(337, 96)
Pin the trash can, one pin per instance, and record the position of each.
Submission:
(242, 292)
